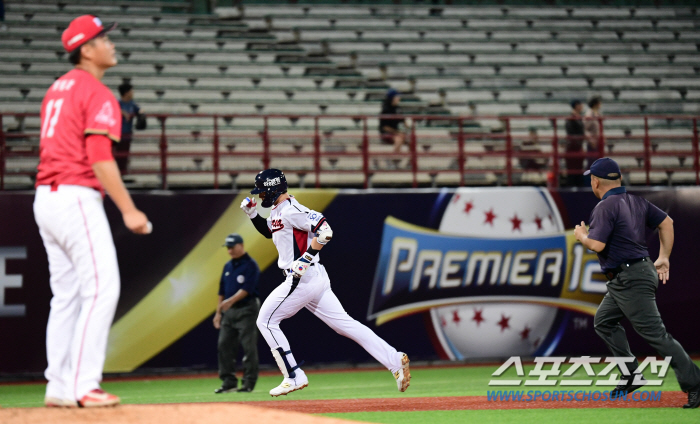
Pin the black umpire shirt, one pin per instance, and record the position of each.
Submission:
(619, 220)
(242, 273)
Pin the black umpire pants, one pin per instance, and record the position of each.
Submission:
(238, 329)
(632, 294)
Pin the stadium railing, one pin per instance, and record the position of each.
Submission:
(435, 145)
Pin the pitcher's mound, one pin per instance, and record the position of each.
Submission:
(148, 414)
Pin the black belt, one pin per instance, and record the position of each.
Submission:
(244, 302)
(611, 274)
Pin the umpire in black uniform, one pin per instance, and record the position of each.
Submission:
(237, 310)
(617, 234)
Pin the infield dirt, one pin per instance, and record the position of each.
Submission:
(295, 411)
(192, 413)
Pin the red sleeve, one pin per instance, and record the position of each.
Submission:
(103, 115)
(98, 148)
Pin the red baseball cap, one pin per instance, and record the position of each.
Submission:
(83, 29)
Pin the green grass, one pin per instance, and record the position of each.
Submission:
(346, 385)
(437, 382)
(531, 416)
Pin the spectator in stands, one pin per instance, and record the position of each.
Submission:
(129, 111)
(472, 109)
(389, 127)
(531, 145)
(592, 125)
(3, 27)
(575, 135)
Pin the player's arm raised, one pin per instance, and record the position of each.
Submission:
(249, 206)
(100, 156)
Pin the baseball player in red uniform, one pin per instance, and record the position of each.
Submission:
(299, 234)
(80, 118)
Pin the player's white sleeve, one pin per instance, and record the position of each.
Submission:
(311, 222)
(314, 220)
(302, 218)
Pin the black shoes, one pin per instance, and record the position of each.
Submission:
(693, 399)
(629, 387)
(225, 389)
(230, 389)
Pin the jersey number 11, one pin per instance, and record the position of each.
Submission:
(53, 107)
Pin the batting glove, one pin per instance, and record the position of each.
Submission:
(249, 207)
(300, 266)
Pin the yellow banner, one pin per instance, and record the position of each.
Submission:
(187, 295)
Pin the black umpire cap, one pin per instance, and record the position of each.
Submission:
(605, 168)
(232, 240)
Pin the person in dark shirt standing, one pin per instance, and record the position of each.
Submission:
(575, 136)
(617, 234)
(389, 127)
(129, 111)
(237, 310)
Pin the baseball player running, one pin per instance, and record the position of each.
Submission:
(299, 234)
(79, 119)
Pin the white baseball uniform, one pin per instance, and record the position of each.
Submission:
(80, 117)
(293, 226)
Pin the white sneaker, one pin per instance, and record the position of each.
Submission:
(290, 385)
(54, 402)
(403, 375)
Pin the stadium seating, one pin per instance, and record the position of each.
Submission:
(477, 61)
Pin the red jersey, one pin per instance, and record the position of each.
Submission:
(75, 106)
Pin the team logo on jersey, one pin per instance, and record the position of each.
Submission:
(272, 182)
(276, 225)
(240, 279)
(106, 115)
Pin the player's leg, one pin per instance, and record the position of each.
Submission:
(279, 305)
(65, 305)
(65, 309)
(283, 303)
(638, 302)
(328, 308)
(248, 336)
(93, 255)
(227, 348)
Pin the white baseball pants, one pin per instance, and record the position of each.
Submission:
(314, 293)
(84, 283)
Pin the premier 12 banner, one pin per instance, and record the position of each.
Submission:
(495, 277)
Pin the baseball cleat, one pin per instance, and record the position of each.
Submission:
(98, 397)
(290, 385)
(403, 375)
(53, 402)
